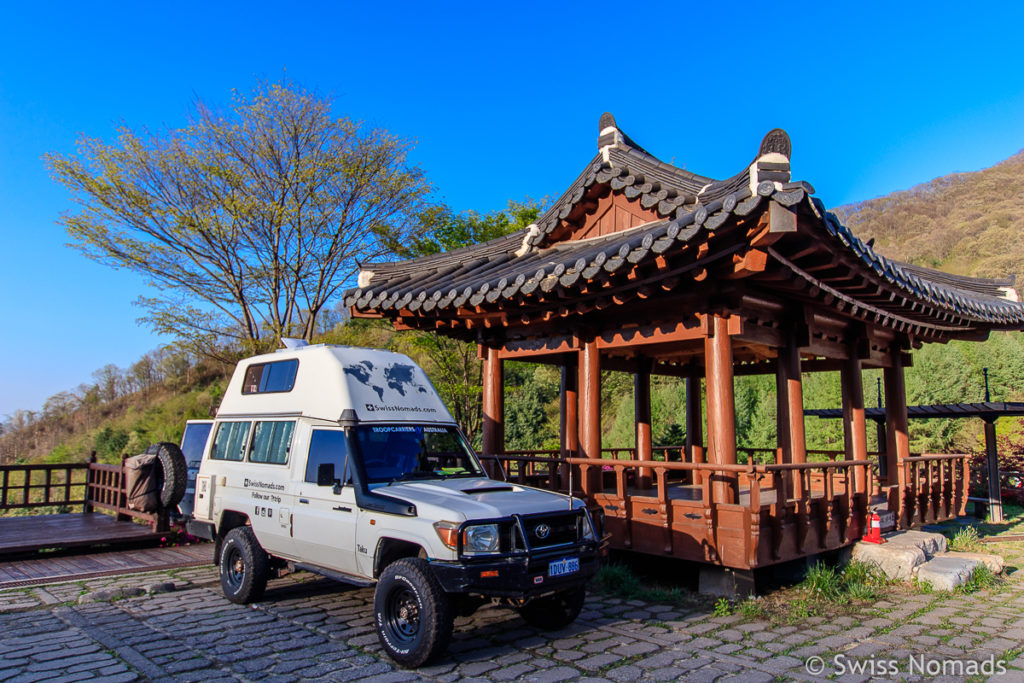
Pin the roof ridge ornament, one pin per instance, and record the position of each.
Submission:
(610, 135)
(772, 162)
(533, 231)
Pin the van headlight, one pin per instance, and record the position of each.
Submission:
(480, 538)
(587, 532)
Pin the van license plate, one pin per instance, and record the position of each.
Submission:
(569, 565)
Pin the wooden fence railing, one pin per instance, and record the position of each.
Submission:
(36, 486)
(91, 485)
(742, 516)
(935, 488)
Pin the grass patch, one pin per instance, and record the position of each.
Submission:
(857, 582)
(966, 540)
(618, 579)
(981, 578)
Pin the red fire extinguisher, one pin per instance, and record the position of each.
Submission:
(874, 532)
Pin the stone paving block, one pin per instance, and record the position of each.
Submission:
(509, 673)
(598, 661)
(625, 673)
(636, 648)
(703, 643)
(750, 677)
(553, 675)
(705, 675)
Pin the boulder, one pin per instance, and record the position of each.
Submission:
(930, 543)
(946, 572)
(896, 561)
(993, 562)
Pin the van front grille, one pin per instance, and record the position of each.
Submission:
(545, 531)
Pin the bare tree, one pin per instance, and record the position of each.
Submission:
(247, 223)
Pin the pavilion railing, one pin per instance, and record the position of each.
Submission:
(800, 508)
(934, 487)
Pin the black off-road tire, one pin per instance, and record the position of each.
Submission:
(412, 613)
(554, 612)
(244, 566)
(175, 472)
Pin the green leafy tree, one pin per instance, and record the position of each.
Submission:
(246, 222)
(452, 364)
(444, 230)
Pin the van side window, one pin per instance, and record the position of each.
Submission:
(230, 441)
(271, 442)
(328, 446)
(268, 378)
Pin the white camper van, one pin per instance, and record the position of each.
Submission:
(345, 462)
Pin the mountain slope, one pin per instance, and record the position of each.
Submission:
(963, 223)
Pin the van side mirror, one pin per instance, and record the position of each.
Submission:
(325, 474)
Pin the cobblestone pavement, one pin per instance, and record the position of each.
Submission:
(308, 628)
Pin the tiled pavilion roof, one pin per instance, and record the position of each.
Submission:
(524, 267)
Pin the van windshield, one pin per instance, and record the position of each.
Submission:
(392, 453)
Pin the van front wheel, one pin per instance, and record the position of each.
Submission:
(413, 614)
(244, 566)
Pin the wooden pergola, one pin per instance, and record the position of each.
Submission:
(647, 268)
(988, 412)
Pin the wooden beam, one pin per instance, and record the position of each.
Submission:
(781, 219)
(694, 327)
(532, 348)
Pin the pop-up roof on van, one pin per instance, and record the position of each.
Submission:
(324, 381)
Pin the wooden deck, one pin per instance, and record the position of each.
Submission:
(68, 566)
(36, 532)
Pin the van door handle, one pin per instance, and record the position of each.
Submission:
(304, 500)
(342, 508)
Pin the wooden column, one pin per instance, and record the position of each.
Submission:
(493, 409)
(790, 402)
(855, 431)
(995, 496)
(790, 385)
(568, 419)
(721, 405)
(590, 408)
(694, 420)
(642, 412)
(782, 449)
(897, 441)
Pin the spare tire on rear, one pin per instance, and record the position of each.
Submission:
(142, 480)
(175, 472)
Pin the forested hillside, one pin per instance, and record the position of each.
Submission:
(964, 223)
(967, 223)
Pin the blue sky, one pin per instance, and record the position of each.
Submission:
(503, 101)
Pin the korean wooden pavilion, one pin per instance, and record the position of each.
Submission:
(647, 268)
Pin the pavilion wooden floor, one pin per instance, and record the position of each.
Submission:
(68, 567)
(36, 532)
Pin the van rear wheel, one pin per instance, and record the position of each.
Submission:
(244, 566)
(412, 612)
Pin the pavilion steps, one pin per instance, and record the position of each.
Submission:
(922, 555)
